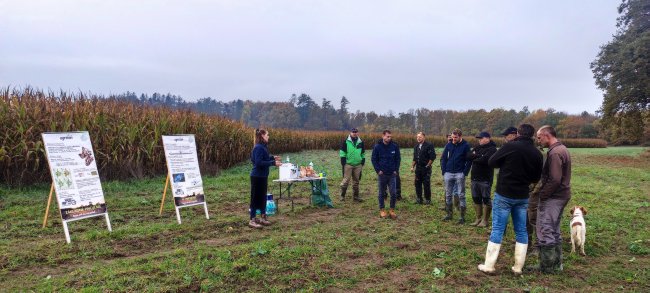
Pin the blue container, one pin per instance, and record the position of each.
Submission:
(271, 208)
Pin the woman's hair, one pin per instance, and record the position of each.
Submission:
(258, 135)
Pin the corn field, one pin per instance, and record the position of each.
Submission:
(127, 137)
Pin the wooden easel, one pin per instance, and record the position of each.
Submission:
(47, 209)
(65, 222)
(178, 214)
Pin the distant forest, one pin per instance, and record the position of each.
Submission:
(303, 112)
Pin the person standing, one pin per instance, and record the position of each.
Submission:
(554, 194)
(423, 156)
(482, 177)
(455, 167)
(259, 177)
(520, 164)
(444, 206)
(509, 134)
(386, 159)
(353, 159)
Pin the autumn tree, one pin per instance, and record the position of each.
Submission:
(622, 72)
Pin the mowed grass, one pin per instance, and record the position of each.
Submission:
(346, 248)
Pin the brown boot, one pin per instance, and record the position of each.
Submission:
(264, 221)
(392, 213)
(383, 214)
(478, 209)
(486, 216)
(253, 224)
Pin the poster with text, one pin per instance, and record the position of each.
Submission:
(72, 164)
(183, 168)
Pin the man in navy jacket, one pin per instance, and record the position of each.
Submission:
(386, 159)
(455, 167)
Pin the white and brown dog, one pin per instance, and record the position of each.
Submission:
(578, 229)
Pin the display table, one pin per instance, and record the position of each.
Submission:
(316, 182)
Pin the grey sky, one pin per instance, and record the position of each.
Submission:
(382, 55)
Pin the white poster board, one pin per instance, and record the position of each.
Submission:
(75, 177)
(183, 171)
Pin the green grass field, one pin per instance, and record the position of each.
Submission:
(346, 248)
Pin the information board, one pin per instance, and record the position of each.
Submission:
(74, 172)
(75, 178)
(183, 168)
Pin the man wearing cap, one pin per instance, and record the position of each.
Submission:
(509, 134)
(455, 167)
(482, 177)
(352, 155)
(423, 156)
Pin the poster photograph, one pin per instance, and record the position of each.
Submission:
(183, 168)
(74, 173)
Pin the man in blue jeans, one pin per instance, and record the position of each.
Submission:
(520, 165)
(386, 159)
(455, 167)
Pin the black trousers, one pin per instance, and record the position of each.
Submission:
(423, 179)
(259, 187)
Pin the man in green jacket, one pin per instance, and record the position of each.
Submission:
(352, 155)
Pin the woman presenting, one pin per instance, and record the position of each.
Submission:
(259, 178)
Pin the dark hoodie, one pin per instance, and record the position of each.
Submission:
(479, 157)
(261, 160)
(386, 157)
(520, 164)
(454, 158)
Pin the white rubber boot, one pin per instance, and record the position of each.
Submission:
(491, 254)
(520, 257)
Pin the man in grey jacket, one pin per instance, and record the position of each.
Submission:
(554, 194)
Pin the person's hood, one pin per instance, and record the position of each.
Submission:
(358, 138)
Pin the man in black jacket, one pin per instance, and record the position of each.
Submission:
(423, 156)
(482, 177)
(520, 165)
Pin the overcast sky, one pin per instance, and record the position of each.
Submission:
(382, 55)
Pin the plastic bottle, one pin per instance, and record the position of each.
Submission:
(271, 208)
(288, 159)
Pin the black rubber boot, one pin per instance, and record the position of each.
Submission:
(450, 211)
(343, 191)
(461, 221)
(547, 259)
(356, 197)
(558, 252)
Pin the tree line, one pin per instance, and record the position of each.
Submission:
(305, 113)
